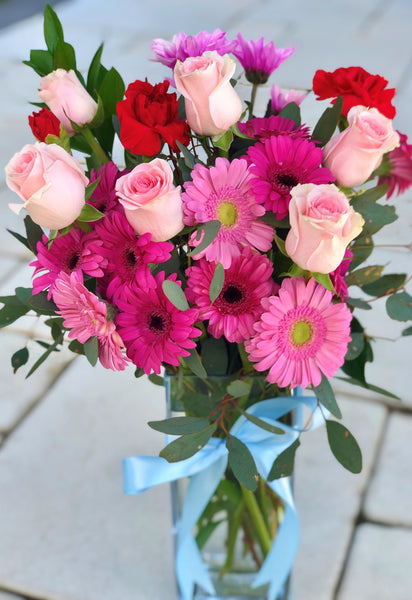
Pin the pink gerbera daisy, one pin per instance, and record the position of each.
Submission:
(75, 251)
(300, 334)
(264, 127)
(280, 163)
(86, 316)
(127, 254)
(399, 177)
(238, 307)
(279, 99)
(222, 193)
(258, 59)
(155, 332)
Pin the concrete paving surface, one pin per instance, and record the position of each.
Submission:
(67, 532)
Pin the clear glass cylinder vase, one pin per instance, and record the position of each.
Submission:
(230, 543)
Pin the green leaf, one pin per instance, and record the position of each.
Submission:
(187, 445)
(261, 423)
(368, 386)
(371, 195)
(387, 284)
(214, 356)
(20, 238)
(344, 446)
(89, 213)
(76, 347)
(37, 302)
(64, 56)
(218, 280)
(194, 363)
(42, 358)
(53, 30)
(407, 331)
(280, 244)
(56, 330)
(34, 233)
(364, 276)
(179, 425)
(224, 141)
(91, 350)
(91, 188)
(156, 379)
(399, 307)
(362, 248)
(326, 396)
(175, 294)
(283, 465)
(238, 388)
(325, 280)
(13, 309)
(328, 122)
(43, 61)
(358, 303)
(291, 111)
(355, 347)
(111, 91)
(376, 216)
(94, 72)
(242, 463)
(188, 157)
(19, 359)
(205, 532)
(210, 230)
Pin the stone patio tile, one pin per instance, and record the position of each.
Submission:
(328, 500)
(388, 499)
(8, 265)
(379, 565)
(9, 596)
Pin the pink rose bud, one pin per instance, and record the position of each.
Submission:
(356, 152)
(152, 203)
(322, 225)
(67, 99)
(50, 181)
(212, 105)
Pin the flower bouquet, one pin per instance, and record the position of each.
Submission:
(218, 251)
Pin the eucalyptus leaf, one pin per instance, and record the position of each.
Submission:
(91, 350)
(210, 231)
(407, 331)
(19, 359)
(371, 195)
(399, 306)
(187, 445)
(369, 386)
(76, 347)
(218, 280)
(326, 396)
(238, 388)
(242, 463)
(188, 157)
(51, 348)
(156, 379)
(364, 275)
(194, 363)
(175, 294)
(283, 464)
(355, 346)
(261, 423)
(387, 284)
(34, 233)
(344, 446)
(215, 355)
(358, 303)
(292, 111)
(179, 425)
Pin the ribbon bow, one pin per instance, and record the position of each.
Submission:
(206, 468)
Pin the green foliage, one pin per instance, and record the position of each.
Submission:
(89, 213)
(34, 233)
(188, 157)
(180, 425)
(210, 231)
(328, 122)
(355, 346)
(261, 423)
(325, 280)
(242, 463)
(344, 446)
(156, 379)
(238, 388)
(215, 356)
(358, 303)
(218, 280)
(283, 465)
(399, 306)
(364, 276)
(292, 111)
(187, 445)
(194, 363)
(19, 359)
(387, 284)
(175, 294)
(224, 141)
(53, 30)
(325, 395)
(356, 368)
(91, 350)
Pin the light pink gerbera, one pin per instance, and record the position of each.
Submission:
(153, 329)
(222, 193)
(258, 59)
(279, 99)
(128, 255)
(280, 163)
(399, 177)
(86, 316)
(238, 307)
(264, 127)
(300, 334)
(75, 251)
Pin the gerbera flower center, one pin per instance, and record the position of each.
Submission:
(73, 261)
(130, 258)
(157, 323)
(232, 294)
(285, 180)
(301, 332)
(227, 213)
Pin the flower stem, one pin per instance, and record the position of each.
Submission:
(95, 146)
(262, 532)
(252, 99)
(233, 531)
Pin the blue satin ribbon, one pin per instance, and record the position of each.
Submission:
(205, 470)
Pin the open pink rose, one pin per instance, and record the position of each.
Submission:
(322, 225)
(50, 181)
(67, 99)
(212, 105)
(354, 154)
(152, 203)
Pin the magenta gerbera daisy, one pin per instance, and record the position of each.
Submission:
(127, 255)
(399, 160)
(222, 193)
(280, 163)
(238, 307)
(264, 127)
(258, 59)
(154, 331)
(75, 251)
(300, 334)
(87, 316)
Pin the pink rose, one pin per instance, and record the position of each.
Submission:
(322, 225)
(67, 99)
(152, 203)
(356, 152)
(50, 181)
(212, 105)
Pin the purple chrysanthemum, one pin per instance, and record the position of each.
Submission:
(222, 193)
(399, 178)
(262, 128)
(280, 163)
(184, 46)
(75, 251)
(258, 59)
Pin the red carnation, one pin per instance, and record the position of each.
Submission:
(44, 123)
(358, 87)
(149, 117)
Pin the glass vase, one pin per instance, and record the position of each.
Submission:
(236, 529)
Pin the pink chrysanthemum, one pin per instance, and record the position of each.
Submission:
(222, 193)
(300, 334)
(238, 307)
(338, 276)
(128, 255)
(258, 59)
(399, 178)
(280, 163)
(279, 99)
(265, 127)
(104, 196)
(153, 329)
(184, 46)
(75, 251)
(86, 316)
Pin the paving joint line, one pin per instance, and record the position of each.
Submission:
(374, 15)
